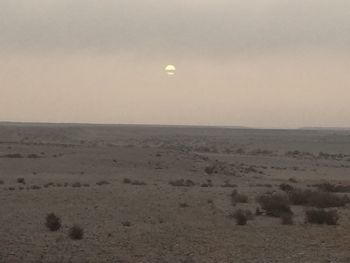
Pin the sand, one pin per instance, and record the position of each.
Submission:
(149, 220)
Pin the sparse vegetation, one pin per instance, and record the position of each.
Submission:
(236, 197)
(102, 183)
(287, 219)
(228, 184)
(242, 216)
(210, 169)
(182, 182)
(286, 187)
(127, 181)
(274, 205)
(76, 184)
(2, 182)
(317, 198)
(133, 182)
(292, 180)
(126, 223)
(21, 180)
(12, 155)
(321, 216)
(328, 187)
(53, 222)
(35, 187)
(76, 232)
(183, 205)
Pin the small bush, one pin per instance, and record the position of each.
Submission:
(258, 212)
(102, 183)
(35, 187)
(238, 198)
(53, 222)
(126, 223)
(316, 198)
(76, 232)
(13, 155)
(127, 181)
(286, 187)
(274, 205)
(48, 184)
(321, 216)
(292, 180)
(287, 219)
(209, 169)
(182, 182)
(2, 182)
(328, 187)
(240, 216)
(136, 182)
(183, 205)
(33, 156)
(21, 181)
(76, 184)
(228, 184)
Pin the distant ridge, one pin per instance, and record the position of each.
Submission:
(120, 124)
(326, 128)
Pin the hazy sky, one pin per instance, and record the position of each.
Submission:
(262, 63)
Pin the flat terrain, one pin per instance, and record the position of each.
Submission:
(122, 185)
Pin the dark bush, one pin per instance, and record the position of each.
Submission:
(228, 184)
(292, 180)
(182, 182)
(76, 232)
(76, 184)
(127, 181)
(136, 182)
(321, 216)
(21, 180)
(13, 155)
(287, 219)
(126, 223)
(102, 183)
(286, 187)
(209, 169)
(238, 198)
(328, 187)
(316, 198)
(240, 216)
(274, 205)
(2, 182)
(53, 222)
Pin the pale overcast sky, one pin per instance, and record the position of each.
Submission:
(261, 63)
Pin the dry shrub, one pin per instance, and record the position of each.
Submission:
(21, 180)
(238, 198)
(182, 182)
(76, 232)
(317, 198)
(76, 184)
(286, 187)
(287, 219)
(274, 205)
(242, 216)
(102, 183)
(53, 222)
(321, 216)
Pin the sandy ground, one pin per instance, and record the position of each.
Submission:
(160, 228)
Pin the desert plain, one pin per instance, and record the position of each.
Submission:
(160, 194)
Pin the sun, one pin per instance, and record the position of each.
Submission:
(170, 69)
